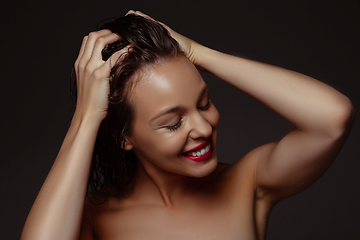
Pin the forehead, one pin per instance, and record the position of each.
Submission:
(173, 82)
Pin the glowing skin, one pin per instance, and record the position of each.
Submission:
(173, 114)
(173, 121)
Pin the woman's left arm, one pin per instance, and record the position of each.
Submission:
(322, 117)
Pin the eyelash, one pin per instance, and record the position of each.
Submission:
(176, 126)
(206, 107)
(179, 123)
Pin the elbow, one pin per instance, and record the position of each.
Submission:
(342, 117)
(346, 114)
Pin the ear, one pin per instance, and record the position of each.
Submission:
(126, 145)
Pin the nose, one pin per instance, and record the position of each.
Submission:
(199, 126)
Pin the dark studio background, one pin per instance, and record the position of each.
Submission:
(40, 40)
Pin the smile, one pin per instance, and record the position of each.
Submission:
(201, 153)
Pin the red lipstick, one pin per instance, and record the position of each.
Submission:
(200, 153)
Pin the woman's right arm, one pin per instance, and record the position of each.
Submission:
(57, 210)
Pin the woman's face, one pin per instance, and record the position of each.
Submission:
(175, 123)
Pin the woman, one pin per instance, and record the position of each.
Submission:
(148, 113)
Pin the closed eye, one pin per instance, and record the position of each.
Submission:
(204, 99)
(175, 126)
(206, 107)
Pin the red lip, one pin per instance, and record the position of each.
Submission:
(201, 158)
(199, 146)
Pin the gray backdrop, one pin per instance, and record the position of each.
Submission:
(40, 40)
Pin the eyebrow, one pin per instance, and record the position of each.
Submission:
(177, 108)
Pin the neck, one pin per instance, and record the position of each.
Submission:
(160, 186)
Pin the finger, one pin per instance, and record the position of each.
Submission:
(143, 15)
(90, 43)
(138, 13)
(118, 56)
(82, 48)
(115, 58)
(150, 18)
(100, 44)
(130, 12)
(82, 65)
(81, 52)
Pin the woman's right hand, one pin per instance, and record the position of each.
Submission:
(57, 210)
(93, 74)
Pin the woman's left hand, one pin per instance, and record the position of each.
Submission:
(189, 47)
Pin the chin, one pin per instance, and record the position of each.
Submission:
(204, 169)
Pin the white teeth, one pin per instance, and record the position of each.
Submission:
(201, 152)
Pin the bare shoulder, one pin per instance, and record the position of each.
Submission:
(244, 170)
(99, 203)
(93, 204)
(245, 164)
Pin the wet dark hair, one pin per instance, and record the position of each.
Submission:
(112, 167)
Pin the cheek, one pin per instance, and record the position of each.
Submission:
(212, 116)
(158, 144)
(171, 143)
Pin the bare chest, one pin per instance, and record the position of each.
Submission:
(208, 221)
(226, 209)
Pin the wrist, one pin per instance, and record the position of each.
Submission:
(201, 55)
(90, 119)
